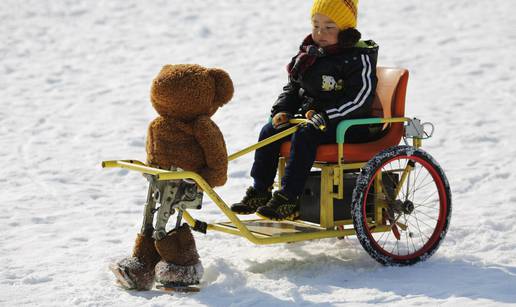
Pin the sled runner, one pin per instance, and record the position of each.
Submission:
(178, 288)
(394, 198)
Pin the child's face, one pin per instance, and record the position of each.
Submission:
(324, 31)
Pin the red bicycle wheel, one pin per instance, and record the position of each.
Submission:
(401, 206)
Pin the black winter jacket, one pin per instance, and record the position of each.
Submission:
(341, 86)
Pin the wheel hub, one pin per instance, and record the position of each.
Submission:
(406, 206)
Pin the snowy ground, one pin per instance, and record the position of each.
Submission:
(74, 83)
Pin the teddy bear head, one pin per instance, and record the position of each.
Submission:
(187, 91)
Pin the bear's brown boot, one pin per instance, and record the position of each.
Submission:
(137, 272)
(180, 263)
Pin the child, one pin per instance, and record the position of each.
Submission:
(333, 77)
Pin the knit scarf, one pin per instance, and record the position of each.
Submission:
(307, 55)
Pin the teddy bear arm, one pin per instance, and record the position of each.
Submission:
(214, 148)
(215, 178)
(212, 143)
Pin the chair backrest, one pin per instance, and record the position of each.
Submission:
(391, 90)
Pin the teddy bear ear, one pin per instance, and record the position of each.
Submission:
(223, 86)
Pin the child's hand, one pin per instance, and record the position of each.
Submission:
(318, 120)
(309, 114)
(280, 120)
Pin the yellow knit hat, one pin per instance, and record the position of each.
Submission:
(342, 12)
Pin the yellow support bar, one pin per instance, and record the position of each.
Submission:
(188, 218)
(326, 219)
(416, 142)
(133, 165)
(379, 199)
(262, 143)
(404, 176)
(281, 171)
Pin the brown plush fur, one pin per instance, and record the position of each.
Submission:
(145, 251)
(140, 277)
(140, 267)
(168, 273)
(180, 264)
(178, 247)
(184, 136)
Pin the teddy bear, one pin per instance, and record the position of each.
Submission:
(182, 136)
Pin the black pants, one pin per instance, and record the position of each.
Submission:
(302, 155)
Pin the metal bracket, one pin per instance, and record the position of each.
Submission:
(417, 130)
(172, 195)
(165, 194)
(149, 209)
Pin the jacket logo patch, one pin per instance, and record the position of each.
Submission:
(329, 84)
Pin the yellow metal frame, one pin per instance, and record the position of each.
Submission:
(263, 231)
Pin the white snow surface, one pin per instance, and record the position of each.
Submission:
(74, 90)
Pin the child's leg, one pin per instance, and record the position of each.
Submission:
(302, 156)
(266, 160)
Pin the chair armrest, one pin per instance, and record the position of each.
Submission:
(344, 125)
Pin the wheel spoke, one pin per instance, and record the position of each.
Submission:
(388, 234)
(420, 232)
(418, 228)
(425, 224)
(383, 234)
(412, 241)
(421, 187)
(405, 197)
(418, 173)
(406, 237)
(417, 205)
(430, 217)
(415, 180)
(424, 200)
(395, 246)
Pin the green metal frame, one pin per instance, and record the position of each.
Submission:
(236, 226)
